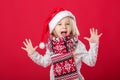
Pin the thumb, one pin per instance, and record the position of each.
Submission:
(88, 39)
(35, 47)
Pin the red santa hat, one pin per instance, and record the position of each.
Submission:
(55, 16)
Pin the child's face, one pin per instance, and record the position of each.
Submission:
(63, 28)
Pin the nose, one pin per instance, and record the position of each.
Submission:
(64, 26)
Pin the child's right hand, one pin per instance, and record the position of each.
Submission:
(28, 47)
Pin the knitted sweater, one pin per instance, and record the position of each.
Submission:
(88, 57)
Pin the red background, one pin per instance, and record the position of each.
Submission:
(20, 19)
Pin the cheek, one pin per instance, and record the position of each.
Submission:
(57, 30)
(69, 29)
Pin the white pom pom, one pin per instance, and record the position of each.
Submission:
(42, 45)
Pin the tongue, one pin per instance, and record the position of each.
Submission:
(64, 34)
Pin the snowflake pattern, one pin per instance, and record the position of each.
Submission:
(58, 69)
(64, 64)
(67, 66)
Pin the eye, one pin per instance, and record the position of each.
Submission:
(59, 24)
(67, 23)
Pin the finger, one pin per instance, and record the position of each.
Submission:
(75, 55)
(93, 31)
(90, 31)
(30, 42)
(100, 34)
(25, 44)
(88, 39)
(27, 41)
(24, 48)
(36, 47)
(96, 32)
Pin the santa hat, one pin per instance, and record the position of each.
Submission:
(55, 16)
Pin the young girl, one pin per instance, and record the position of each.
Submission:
(64, 52)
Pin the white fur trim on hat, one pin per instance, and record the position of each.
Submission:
(58, 17)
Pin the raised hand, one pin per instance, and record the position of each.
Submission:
(94, 38)
(28, 46)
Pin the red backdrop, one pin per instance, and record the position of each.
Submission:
(20, 19)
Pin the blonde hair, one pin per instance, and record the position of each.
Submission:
(74, 29)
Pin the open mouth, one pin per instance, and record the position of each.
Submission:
(64, 33)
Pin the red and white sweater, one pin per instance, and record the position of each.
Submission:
(88, 57)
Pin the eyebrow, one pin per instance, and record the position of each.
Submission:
(67, 21)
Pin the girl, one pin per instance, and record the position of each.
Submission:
(64, 52)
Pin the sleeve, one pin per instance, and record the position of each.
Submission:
(88, 57)
(41, 60)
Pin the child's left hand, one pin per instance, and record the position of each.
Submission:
(94, 38)
(75, 55)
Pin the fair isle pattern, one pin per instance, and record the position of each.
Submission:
(64, 67)
(63, 64)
